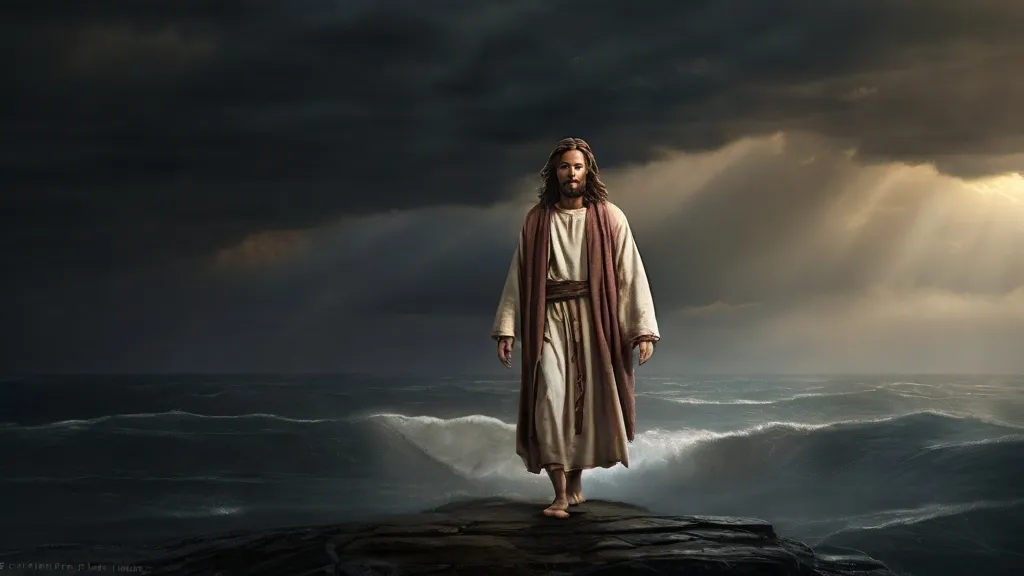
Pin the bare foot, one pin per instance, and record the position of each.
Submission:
(574, 487)
(558, 509)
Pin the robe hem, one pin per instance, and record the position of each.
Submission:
(624, 463)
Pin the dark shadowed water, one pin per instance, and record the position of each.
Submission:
(925, 473)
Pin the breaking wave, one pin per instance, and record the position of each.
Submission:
(848, 482)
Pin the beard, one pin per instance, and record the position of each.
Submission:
(569, 192)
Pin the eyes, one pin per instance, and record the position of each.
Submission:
(566, 167)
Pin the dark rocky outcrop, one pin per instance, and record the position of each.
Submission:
(498, 536)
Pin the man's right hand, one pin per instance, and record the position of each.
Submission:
(505, 345)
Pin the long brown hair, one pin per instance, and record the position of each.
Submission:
(594, 191)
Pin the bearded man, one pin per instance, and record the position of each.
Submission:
(578, 297)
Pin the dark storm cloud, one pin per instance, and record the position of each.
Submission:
(779, 253)
(761, 226)
(144, 131)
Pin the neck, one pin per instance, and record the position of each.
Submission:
(566, 203)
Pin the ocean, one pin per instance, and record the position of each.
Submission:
(925, 473)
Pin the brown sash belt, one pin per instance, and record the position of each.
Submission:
(566, 290)
(569, 290)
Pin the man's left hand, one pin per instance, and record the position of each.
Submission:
(646, 351)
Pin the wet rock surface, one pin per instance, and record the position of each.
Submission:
(499, 536)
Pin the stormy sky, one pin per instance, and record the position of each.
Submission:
(316, 185)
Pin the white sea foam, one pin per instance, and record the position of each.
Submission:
(909, 516)
(479, 447)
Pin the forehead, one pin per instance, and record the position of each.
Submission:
(572, 157)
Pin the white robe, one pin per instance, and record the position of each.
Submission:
(597, 445)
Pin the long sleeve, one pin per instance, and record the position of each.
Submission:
(637, 321)
(506, 320)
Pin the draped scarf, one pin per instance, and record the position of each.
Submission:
(614, 354)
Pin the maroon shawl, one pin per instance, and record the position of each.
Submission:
(615, 355)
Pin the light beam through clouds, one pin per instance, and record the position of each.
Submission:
(348, 175)
(781, 253)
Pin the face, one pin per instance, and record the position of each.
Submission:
(572, 174)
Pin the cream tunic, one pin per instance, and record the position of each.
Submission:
(559, 383)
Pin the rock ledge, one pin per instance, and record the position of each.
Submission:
(500, 536)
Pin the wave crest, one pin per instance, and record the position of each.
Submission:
(480, 446)
(170, 414)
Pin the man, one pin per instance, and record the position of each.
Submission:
(578, 297)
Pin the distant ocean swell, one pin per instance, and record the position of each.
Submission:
(880, 464)
(925, 475)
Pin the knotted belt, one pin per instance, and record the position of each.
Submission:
(569, 290)
(565, 290)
